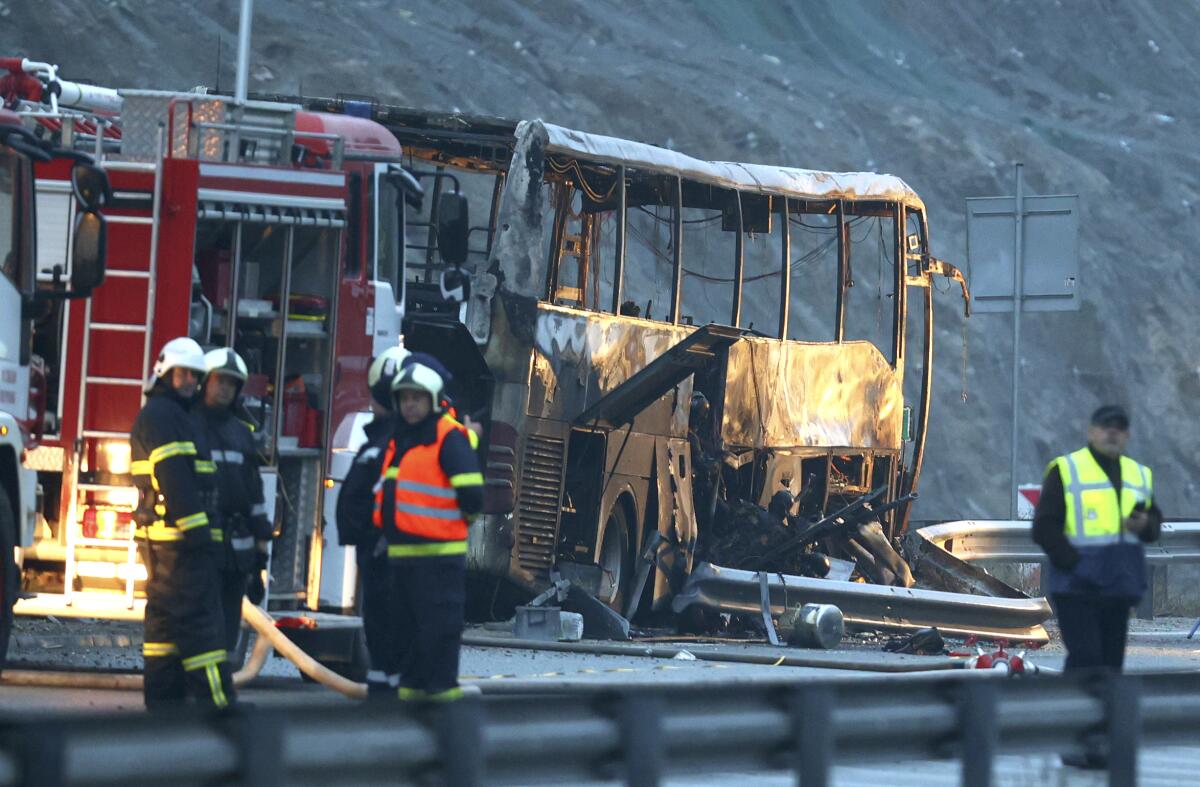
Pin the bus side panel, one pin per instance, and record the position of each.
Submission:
(791, 394)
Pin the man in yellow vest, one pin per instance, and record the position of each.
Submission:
(1095, 512)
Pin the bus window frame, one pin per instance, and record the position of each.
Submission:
(801, 207)
(563, 189)
(896, 212)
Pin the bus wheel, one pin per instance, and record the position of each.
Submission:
(9, 577)
(614, 559)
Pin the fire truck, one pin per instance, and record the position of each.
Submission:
(255, 225)
(30, 290)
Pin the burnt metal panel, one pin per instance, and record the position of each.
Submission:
(538, 505)
(788, 395)
(622, 404)
(579, 357)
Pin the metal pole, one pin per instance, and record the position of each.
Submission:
(243, 53)
(735, 318)
(1019, 218)
(619, 268)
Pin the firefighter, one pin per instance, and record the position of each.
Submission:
(356, 529)
(183, 646)
(244, 530)
(430, 487)
(448, 409)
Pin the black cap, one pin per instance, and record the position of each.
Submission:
(1113, 415)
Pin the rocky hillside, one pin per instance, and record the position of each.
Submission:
(1094, 96)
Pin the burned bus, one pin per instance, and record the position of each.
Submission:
(669, 356)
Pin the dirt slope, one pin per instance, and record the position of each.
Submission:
(1095, 96)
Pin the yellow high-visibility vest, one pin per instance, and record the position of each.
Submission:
(1094, 513)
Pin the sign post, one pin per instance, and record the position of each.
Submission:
(1022, 255)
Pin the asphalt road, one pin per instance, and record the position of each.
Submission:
(1154, 646)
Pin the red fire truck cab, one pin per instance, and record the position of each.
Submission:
(258, 226)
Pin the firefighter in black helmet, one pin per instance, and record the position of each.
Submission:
(356, 530)
(184, 648)
(243, 530)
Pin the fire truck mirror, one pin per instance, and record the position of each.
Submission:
(88, 254)
(90, 185)
(452, 227)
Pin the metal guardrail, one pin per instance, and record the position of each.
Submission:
(637, 736)
(872, 607)
(985, 540)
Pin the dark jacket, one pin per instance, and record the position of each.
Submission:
(456, 457)
(356, 499)
(1117, 570)
(239, 492)
(172, 470)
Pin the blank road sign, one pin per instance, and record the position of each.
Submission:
(1050, 263)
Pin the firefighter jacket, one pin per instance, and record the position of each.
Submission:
(239, 491)
(355, 501)
(429, 488)
(1078, 522)
(172, 470)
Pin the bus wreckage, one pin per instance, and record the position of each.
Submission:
(691, 374)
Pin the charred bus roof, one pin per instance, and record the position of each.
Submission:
(486, 142)
(802, 184)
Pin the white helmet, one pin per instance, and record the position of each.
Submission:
(381, 373)
(180, 352)
(419, 377)
(225, 360)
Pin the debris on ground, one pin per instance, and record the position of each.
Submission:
(813, 626)
(926, 642)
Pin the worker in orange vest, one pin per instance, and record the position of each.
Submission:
(429, 489)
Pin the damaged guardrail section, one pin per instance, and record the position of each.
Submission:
(979, 540)
(638, 736)
(870, 607)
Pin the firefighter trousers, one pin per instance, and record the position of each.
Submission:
(379, 627)
(429, 600)
(233, 589)
(184, 647)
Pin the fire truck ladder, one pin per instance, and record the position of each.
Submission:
(75, 539)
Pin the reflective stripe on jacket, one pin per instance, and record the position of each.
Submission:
(172, 470)
(426, 504)
(1093, 512)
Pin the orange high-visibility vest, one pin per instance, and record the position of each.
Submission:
(426, 503)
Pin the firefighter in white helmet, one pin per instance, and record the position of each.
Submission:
(243, 528)
(430, 487)
(355, 529)
(183, 646)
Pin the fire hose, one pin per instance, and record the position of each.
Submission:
(268, 637)
(271, 637)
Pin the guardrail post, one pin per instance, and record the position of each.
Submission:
(258, 736)
(1124, 729)
(1155, 592)
(978, 735)
(811, 709)
(640, 720)
(459, 726)
(38, 748)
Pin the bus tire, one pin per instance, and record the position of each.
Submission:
(615, 558)
(9, 576)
